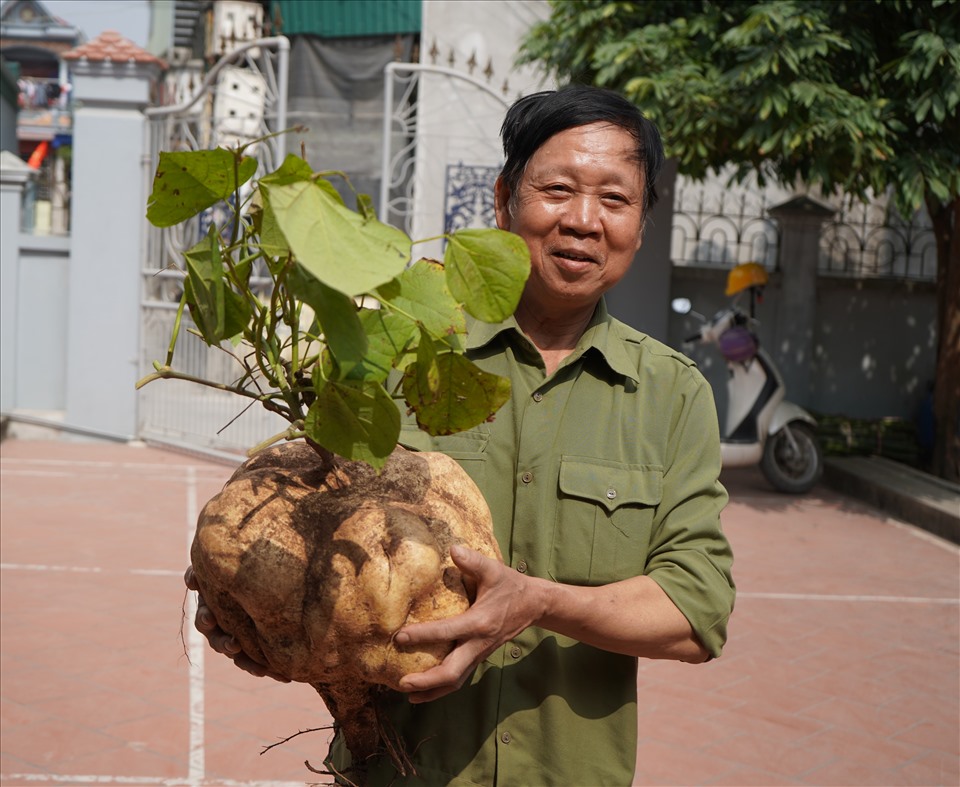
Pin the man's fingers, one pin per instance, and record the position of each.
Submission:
(189, 579)
(205, 622)
(247, 664)
(466, 559)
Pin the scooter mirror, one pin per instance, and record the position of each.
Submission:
(681, 305)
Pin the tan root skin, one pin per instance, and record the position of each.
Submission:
(313, 568)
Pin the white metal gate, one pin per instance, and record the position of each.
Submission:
(406, 158)
(242, 97)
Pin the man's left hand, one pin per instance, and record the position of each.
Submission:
(506, 603)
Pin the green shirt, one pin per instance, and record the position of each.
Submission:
(605, 470)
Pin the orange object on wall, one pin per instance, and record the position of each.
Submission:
(38, 155)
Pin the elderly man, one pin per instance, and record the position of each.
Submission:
(601, 474)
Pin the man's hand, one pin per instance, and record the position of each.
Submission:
(506, 603)
(219, 640)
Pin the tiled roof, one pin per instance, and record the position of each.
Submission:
(110, 46)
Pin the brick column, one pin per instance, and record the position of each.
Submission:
(800, 220)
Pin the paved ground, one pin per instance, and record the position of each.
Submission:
(842, 667)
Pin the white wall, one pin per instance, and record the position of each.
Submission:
(459, 123)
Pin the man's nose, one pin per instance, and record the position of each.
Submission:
(582, 215)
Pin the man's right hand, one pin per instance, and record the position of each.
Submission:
(219, 640)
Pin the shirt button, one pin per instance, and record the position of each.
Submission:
(506, 737)
(515, 652)
(611, 493)
(537, 396)
(522, 566)
(527, 477)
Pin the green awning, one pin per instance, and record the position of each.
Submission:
(343, 18)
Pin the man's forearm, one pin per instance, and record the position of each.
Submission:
(635, 617)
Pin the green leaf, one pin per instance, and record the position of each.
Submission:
(219, 312)
(389, 335)
(336, 245)
(421, 293)
(337, 315)
(464, 397)
(187, 182)
(293, 170)
(427, 369)
(359, 422)
(486, 271)
(272, 242)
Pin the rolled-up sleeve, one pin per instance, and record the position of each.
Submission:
(689, 555)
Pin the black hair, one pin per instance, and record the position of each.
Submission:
(533, 119)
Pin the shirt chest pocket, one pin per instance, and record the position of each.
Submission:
(604, 517)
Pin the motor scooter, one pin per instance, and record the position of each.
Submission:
(761, 425)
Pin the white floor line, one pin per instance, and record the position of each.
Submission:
(197, 645)
(840, 597)
(97, 464)
(149, 572)
(29, 778)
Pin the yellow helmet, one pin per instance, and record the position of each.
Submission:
(747, 274)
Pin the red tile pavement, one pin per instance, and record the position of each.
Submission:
(842, 666)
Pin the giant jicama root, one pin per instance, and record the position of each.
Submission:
(313, 563)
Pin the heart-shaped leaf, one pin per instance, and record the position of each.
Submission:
(486, 270)
(465, 396)
(187, 182)
(421, 293)
(389, 335)
(336, 245)
(358, 422)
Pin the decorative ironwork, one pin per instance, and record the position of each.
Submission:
(468, 198)
(401, 81)
(722, 229)
(869, 240)
(399, 143)
(725, 227)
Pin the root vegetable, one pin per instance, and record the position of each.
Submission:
(313, 563)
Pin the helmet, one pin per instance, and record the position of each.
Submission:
(738, 343)
(747, 274)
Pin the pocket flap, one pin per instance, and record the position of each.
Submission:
(611, 484)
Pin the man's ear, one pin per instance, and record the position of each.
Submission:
(501, 203)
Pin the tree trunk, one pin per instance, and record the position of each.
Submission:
(946, 392)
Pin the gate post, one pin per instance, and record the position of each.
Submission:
(112, 81)
(800, 220)
(14, 174)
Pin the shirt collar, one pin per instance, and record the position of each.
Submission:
(601, 336)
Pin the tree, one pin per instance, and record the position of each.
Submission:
(857, 96)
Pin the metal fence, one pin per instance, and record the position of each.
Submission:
(242, 98)
(873, 241)
(724, 227)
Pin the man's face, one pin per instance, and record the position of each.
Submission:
(579, 207)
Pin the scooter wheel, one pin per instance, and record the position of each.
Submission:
(792, 459)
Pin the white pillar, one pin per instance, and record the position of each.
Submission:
(14, 174)
(107, 224)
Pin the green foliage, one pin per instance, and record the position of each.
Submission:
(856, 95)
(344, 308)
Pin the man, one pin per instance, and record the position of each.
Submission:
(601, 473)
